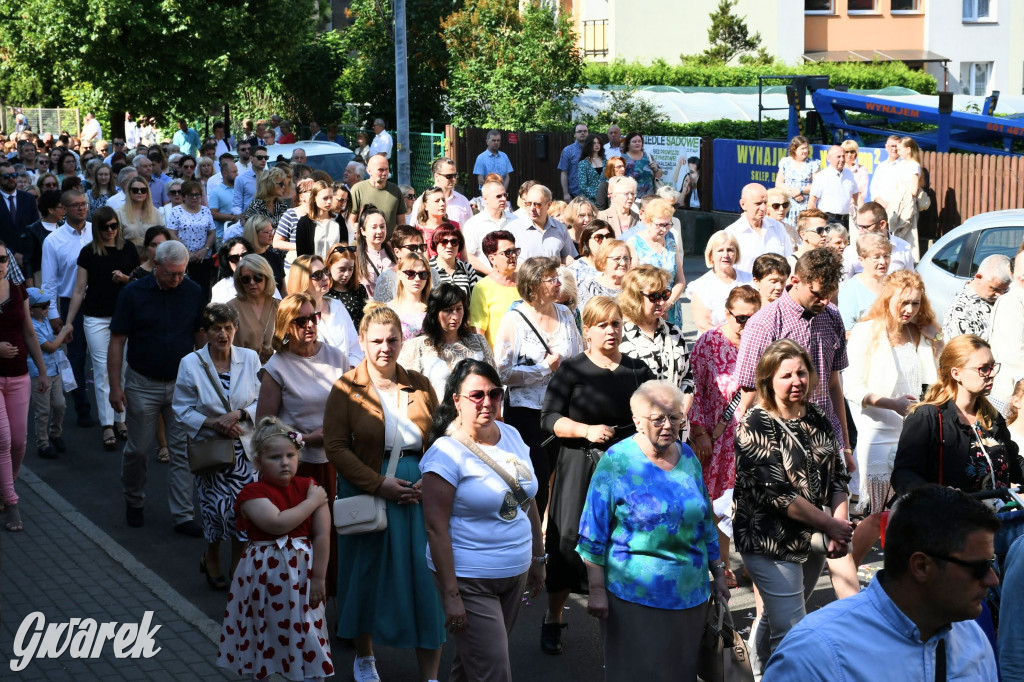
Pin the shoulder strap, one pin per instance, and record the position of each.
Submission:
(511, 481)
(941, 444)
(214, 381)
(396, 446)
(535, 331)
(790, 433)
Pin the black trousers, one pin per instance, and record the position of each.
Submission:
(76, 356)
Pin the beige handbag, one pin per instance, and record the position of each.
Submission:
(368, 513)
(211, 454)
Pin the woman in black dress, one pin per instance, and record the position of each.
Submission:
(587, 407)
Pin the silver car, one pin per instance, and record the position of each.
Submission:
(954, 259)
(327, 156)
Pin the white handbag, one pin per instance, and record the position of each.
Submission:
(367, 513)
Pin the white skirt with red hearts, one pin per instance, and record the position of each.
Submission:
(269, 626)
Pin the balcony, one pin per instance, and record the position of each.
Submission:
(595, 38)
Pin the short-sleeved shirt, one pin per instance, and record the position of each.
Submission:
(489, 303)
(822, 335)
(554, 241)
(389, 200)
(487, 163)
(44, 333)
(282, 498)
(772, 239)
(834, 190)
(160, 325)
(101, 292)
(222, 199)
(490, 534)
(479, 226)
(567, 163)
(967, 314)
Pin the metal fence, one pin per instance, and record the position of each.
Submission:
(45, 120)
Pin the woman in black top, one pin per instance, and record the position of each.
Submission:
(954, 436)
(587, 407)
(104, 267)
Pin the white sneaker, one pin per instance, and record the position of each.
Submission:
(364, 669)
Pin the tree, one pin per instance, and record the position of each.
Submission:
(729, 37)
(510, 69)
(621, 106)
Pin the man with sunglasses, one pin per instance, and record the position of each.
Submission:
(158, 317)
(18, 210)
(117, 145)
(456, 205)
(871, 217)
(495, 216)
(915, 621)
(834, 189)
(245, 183)
(146, 170)
(756, 233)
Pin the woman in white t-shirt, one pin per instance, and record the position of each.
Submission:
(708, 292)
(484, 538)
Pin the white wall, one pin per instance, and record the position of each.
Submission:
(990, 41)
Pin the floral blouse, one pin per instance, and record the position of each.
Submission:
(714, 374)
(588, 178)
(520, 354)
(420, 355)
(192, 228)
(772, 471)
(666, 353)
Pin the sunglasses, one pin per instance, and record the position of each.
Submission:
(979, 569)
(777, 206)
(341, 248)
(447, 242)
(658, 420)
(318, 275)
(600, 237)
(143, 190)
(423, 275)
(305, 320)
(261, 157)
(510, 253)
(415, 248)
(255, 277)
(658, 296)
(193, 195)
(8, 176)
(820, 231)
(740, 319)
(4, 259)
(235, 257)
(447, 176)
(111, 227)
(410, 197)
(477, 397)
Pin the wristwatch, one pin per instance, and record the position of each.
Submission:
(540, 560)
(715, 567)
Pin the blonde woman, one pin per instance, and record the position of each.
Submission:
(256, 304)
(411, 293)
(708, 292)
(851, 152)
(656, 245)
(892, 354)
(138, 214)
(309, 275)
(317, 231)
(858, 293)
(904, 211)
(272, 188)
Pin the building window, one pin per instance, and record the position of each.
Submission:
(818, 6)
(977, 10)
(861, 6)
(974, 77)
(904, 5)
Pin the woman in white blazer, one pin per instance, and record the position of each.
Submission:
(216, 374)
(892, 355)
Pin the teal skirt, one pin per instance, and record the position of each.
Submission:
(384, 585)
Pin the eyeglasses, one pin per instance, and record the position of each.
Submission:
(658, 296)
(193, 195)
(988, 371)
(621, 259)
(261, 157)
(423, 275)
(415, 248)
(868, 226)
(235, 257)
(880, 258)
(552, 280)
(173, 192)
(477, 397)
(306, 320)
(532, 204)
(50, 185)
(510, 253)
(658, 420)
(318, 275)
(600, 236)
(141, 190)
(447, 176)
(740, 319)
(111, 227)
(979, 569)
(447, 242)
(342, 248)
(664, 226)
(254, 277)
(777, 206)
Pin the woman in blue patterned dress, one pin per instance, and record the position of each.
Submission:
(656, 245)
(794, 176)
(648, 538)
(640, 165)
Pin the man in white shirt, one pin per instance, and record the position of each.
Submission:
(382, 142)
(225, 143)
(885, 178)
(456, 205)
(119, 144)
(872, 218)
(60, 271)
(538, 234)
(1006, 334)
(756, 233)
(493, 217)
(124, 176)
(91, 131)
(612, 147)
(834, 189)
(131, 132)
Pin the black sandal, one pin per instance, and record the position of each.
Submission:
(109, 442)
(218, 583)
(551, 637)
(121, 431)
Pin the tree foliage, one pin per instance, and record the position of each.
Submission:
(729, 36)
(625, 109)
(510, 69)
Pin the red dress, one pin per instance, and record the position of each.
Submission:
(714, 366)
(269, 626)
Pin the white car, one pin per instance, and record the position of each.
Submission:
(954, 259)
(327, 156)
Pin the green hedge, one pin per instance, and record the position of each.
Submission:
(858, 76)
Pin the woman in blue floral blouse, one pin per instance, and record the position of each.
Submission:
(648, 538)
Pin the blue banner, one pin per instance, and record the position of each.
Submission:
(741, 162)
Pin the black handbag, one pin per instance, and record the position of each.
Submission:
(723, 655)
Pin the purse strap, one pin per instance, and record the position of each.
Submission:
(396, 445)
(535, 331)
(213, 380)
(941, 445)
(522, 499)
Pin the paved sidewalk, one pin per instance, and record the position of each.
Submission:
(66, 567)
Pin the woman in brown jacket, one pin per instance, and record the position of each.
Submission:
(385, 589)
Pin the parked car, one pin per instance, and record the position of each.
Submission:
(327, 156)
(955, 257)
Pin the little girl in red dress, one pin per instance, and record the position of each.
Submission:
(274, 621)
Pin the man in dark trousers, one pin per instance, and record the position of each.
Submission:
(18, 210)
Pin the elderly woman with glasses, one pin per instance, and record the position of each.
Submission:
(708, 292)
(656, 245)
(309, 275)
(874, 251)
(647, 535)
(105, 266)
(174, 197)
(192, 224)
(256, 301)
(716, 397)
(613, 261)
(620, 214)
(296, 383)
(584, 406)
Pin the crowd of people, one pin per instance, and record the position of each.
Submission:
(505, 401)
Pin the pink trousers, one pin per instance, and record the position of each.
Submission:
(15, 396)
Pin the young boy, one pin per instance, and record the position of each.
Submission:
(48, 407)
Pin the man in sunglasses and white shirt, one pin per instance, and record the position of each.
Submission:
(456, 205)
(871, 217)
(495, 216)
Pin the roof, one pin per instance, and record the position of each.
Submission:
(875, 56)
